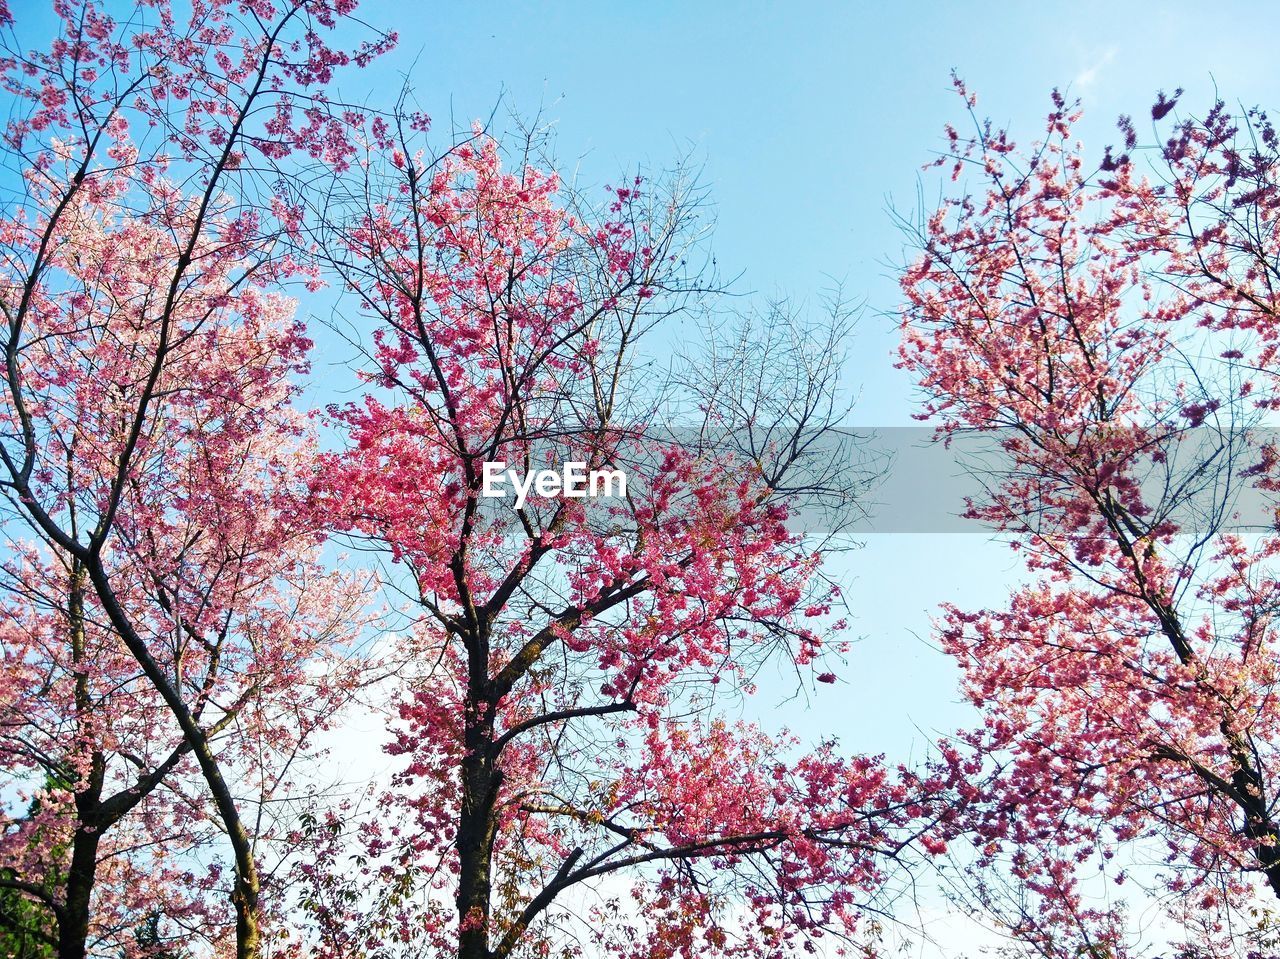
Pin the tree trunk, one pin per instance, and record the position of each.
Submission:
(73, 924)
(476, 828)
(245, 898)
(244, 894)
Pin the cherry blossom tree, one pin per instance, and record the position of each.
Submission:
(119, 818)
(170, 611)
(172, 638)
(1107, 330)
(565, 731)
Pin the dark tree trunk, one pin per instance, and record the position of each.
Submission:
(73, 924)
(476, 828)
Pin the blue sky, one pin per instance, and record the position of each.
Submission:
(811, 119)
(810, 122)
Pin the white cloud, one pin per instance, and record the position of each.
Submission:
(1087, 77)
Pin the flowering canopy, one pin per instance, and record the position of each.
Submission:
(1115, 335)
(567, 730)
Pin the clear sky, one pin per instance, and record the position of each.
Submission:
(811, 121)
